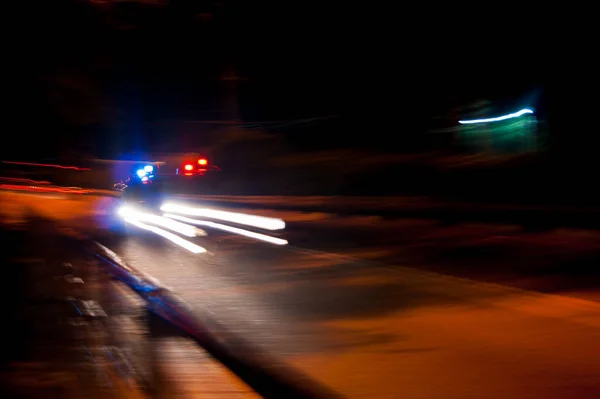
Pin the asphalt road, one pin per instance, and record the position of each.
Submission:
(402, 308)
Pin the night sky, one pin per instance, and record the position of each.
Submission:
(105, 78)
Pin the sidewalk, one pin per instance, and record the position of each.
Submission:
(72, 331)
(61, 343)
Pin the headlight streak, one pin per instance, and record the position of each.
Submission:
(178, 227)
(235, 230)
(233, 217)
(138, 218)
(193, 248)
(179, 224)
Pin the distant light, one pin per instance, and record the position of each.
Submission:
(145, 178)
(202, 161)
(141, 173)
(499, 118)
(188, 167)
(149, 168)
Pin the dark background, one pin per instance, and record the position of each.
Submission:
(108, 78)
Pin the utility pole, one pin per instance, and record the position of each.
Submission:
(231, 106)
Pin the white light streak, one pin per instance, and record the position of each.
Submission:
(193, 248)
(498, 118)
(233, 217)
(235, 230)
(178, 227)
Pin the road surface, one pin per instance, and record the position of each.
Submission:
(402, 308)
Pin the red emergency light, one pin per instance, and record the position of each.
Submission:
(202, 161)
(188, 167)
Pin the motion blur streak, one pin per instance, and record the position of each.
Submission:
(498, 118)
(235, 230)
(64, 190)
(181, 228)
(169, 236)
(233, 217)
(45, 165)
(25, 181)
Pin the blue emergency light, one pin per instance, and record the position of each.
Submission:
(145, 173)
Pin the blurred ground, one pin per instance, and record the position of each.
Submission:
(373, 330)
(375, 307)
(73, 332)
(58, 341)
(558, 260)
(379, 307)
(540, 255)
(74, 209)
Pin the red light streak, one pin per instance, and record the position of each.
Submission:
(45, 165)
(16, 179)
(44, 189)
